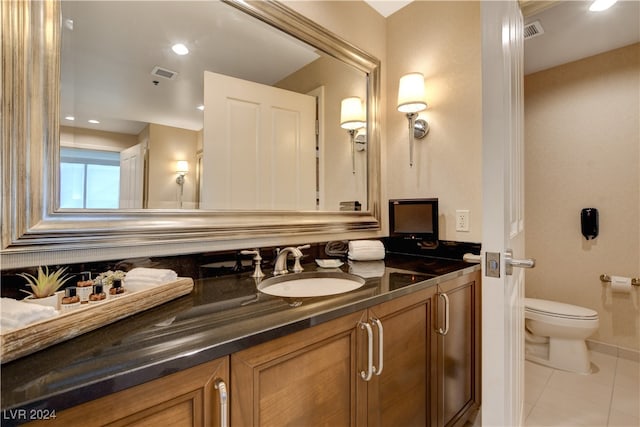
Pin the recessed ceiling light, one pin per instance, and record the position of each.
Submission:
(93, 121)
(600, 5)
(180, 49)
(71, 118)
(200, 107)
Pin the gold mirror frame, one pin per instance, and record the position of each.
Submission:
(33, 229)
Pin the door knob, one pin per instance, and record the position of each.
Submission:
(511, 262)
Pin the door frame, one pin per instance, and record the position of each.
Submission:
(503, 212)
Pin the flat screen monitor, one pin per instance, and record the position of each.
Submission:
(415, 219)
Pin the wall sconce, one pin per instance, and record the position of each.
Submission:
(182, 168)
(411, 100)
(352, 118)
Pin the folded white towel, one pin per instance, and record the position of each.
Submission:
(366, 250)
(16, 314)
(367, 269)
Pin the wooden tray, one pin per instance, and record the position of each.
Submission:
(37, 336)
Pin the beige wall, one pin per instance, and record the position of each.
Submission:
(440, 39)
(582, 135)
(424, 37)
(338, 182)
(167, 145)
(359, 24)
(354, 21)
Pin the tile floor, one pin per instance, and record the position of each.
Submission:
(608, 397)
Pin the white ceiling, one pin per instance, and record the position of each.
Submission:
(571, 31)
(387, 7)
(111, 48)
(93, 70)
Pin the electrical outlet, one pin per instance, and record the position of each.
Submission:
(462, 220)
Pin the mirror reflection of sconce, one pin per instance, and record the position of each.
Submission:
(182, 168)
(352, 118)
(411, 100)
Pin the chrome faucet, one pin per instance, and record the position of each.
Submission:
(280, 264)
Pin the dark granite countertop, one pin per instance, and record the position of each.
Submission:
(221, 316)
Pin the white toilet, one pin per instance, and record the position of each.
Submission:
(555, 334)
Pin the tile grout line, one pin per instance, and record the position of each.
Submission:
(544, 388)
(613, 387)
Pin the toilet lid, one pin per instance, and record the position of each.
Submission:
(559, 309)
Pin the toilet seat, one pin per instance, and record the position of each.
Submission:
(558, 309)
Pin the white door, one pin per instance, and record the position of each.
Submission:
(132, 176)
(259, 147)
(503, 214)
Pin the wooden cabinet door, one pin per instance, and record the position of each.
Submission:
(400, 395)
(188, 398)
(303, 379)
(458, 351)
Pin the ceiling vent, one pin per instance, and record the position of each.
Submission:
(532, 30)
(164, 73)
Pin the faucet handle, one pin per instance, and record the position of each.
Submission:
(257, 260)
(251, 252)
(297, 268)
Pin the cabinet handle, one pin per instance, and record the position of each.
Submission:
(378, 324)
(224, 410)
(367, 375)
(444, 331)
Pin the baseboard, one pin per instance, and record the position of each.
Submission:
(614, 350)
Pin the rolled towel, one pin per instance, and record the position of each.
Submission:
(16, 314)
(151, 275)
(143, 278)
(366, 250)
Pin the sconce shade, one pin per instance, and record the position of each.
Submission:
(352, 113)
(411, 96)
(182, 166)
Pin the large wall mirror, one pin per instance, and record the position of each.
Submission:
(113, 139)
(136, 101)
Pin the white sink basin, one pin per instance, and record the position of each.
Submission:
(310, 284)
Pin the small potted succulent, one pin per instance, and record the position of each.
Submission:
(43, 288)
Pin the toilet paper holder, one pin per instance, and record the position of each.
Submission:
(635, 281)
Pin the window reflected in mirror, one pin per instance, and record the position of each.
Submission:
(89, 179)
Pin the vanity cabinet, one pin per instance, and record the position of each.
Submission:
(457, 339)
(401, 394)
(306, 378)
(410, 361)
(189, 398)
(369, 368)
